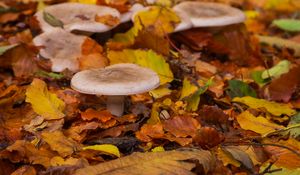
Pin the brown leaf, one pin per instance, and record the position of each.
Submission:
(182, 126)
(107, 20)
(78, 132)
(208, 137)
(25, 170)
(282, 88)
(22, 151)
(149, 132)
(60, 143)
(91, 114)
(154, 163)
(213, 115)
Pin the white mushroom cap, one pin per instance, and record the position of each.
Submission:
(125, 17)
(61, 47)
(207, 14)
(118, 79)
(77, 16)
(185, 22)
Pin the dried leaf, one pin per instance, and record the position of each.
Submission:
(240, 156)
(149, 132)
(182, 126)
(143, 58)
(154, 163)
(43, 102)
(279, 42)
(106, 148)
(276, 109)
(60, 143)
(258, 124)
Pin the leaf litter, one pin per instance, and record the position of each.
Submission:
(228, 100)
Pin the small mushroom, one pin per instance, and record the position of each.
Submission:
(79, 17)
(207, 14)
(115, 81)
(62, 48)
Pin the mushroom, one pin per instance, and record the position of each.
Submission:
(79, 17)
(62, 48)
(125, 17)
(206, 14)
(115, 81)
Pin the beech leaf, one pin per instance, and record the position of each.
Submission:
(106, 148)
(43, 102)
(148, 59)
(274, 108)
(258, 124)
(154, 163)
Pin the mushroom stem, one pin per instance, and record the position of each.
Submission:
(115, 104)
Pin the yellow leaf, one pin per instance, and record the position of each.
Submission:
(43, 102)
(106, 148)
(158, 20)
(143, 58)
(160, 92)
(154, 118)
(258, 124)
(188, 89)
(158, 149)
(274, 108)
(227, 158)
(283, 5)
(85, 1)
(41, 5)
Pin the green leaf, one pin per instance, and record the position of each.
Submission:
(52, 20)
(291, 25)
(3, 49)
(144, 58)
(279, 42)
(276, 71)
(45, 74)
(237, 88)
(256, 76)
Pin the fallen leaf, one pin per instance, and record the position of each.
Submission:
(276, 71)
(227, 158)
(60, 143)
(149, 132)
(291, 25)
(154, 163)
(52, 20)
(240, 156)
(25, 170)
(237, 88)
(208, 137)
(279, 42)
(143, 58)
(108, 20)
(3, 49)
(182, 126)
(105, 148)
(23, 151)
(274, 108)
(284, 158)
(43, 102)
(258, 124)
(91, 114)
(283, 88)
(158, 149)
